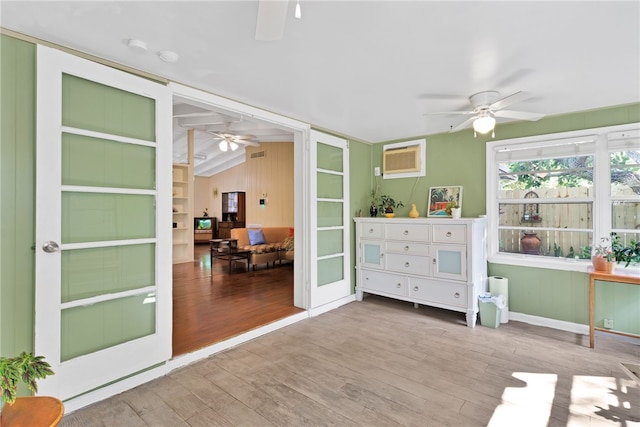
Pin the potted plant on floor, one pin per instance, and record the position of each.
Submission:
(26, 368)
(388, 204)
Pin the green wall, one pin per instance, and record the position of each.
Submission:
(451, 159)
(459, 159)
(17, 190)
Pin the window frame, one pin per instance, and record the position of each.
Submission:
(601, 226)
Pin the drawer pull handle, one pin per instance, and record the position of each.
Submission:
(406, 248)
(406, 232)
(456, 295)
(406, 264)
(433, 261)
(398, 286)
(448, 234)
(370, 230)
(416, 289)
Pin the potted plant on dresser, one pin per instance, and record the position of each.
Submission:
(388, 204)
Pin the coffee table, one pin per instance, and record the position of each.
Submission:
(230, 255)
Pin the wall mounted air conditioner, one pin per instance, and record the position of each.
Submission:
(404, 159)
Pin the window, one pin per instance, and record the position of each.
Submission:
(552, 196)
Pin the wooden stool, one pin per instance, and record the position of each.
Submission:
(32, 411)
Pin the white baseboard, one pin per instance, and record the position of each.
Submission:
(576, 328)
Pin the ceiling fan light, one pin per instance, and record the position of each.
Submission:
(233, 146)
(223, 146)
(484, 124)
(298, 13)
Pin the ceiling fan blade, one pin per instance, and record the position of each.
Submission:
(245, 136)
(508, 100)
(463, 125)
(519, 115)
(272, 16)
(449, 113)
(248, 142)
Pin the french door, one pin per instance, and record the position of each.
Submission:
(103, 242)
(330, 220)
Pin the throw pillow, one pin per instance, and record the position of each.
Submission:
(256, 237)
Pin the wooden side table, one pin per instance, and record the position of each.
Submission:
(32, 411)
(632, 279)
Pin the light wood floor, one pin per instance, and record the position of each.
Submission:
(381, 362)
(211, 305)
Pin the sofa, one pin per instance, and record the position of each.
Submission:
(267, 244)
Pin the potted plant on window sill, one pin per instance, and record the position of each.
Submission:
(388, 204)
(602, 256)
(626, 254)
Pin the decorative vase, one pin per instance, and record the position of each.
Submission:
(455, 213)
(530, 244)
(373, 211)
(413, 213)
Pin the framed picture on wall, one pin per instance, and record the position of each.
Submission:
(441, 197)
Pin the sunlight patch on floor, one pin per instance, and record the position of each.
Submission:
(529, 405)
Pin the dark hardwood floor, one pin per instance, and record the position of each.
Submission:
(211, 305)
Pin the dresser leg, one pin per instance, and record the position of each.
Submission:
(471, 318)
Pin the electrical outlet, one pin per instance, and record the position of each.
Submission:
(608, 323)
(376, 171)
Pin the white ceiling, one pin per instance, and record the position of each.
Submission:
(366, 69)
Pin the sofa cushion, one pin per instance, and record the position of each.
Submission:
(261, 249)
(256, 236)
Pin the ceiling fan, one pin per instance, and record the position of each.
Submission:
(487, 106)
(231, 141)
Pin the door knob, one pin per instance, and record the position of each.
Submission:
(50, 247)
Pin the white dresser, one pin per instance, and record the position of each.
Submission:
(437, 262)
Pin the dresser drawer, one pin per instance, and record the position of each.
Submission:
(383, 283)
(408, 248)
(438, 292)
(416, 232)
(371, 230)
(453, 233)
(408, 264)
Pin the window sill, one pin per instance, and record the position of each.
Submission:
(564, 264)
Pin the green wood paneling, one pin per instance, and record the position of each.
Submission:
(17, 194)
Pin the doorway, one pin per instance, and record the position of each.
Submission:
(199, 285)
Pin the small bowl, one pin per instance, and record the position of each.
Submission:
(389, 215)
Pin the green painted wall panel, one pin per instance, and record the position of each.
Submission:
(561, 295)
(619, 302)
(17, 194)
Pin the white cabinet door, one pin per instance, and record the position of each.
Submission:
(450, 262)
(371, 254)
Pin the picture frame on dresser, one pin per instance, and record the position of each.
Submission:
(440, 197)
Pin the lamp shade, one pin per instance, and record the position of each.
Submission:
(484, 124)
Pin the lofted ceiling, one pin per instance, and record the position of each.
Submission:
(371, 70)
